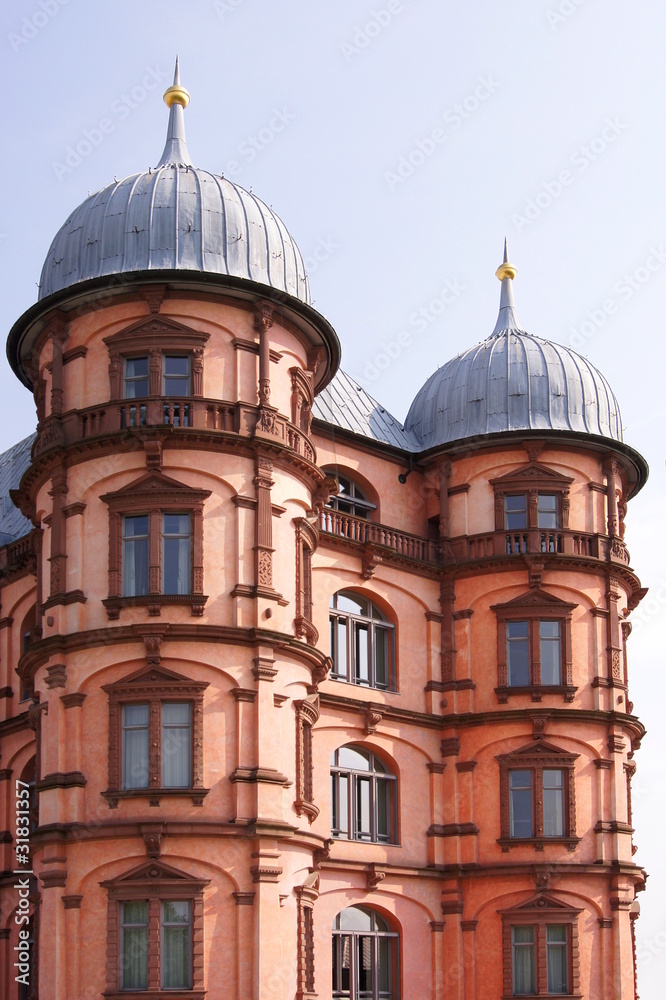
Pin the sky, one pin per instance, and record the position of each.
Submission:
(400, 141)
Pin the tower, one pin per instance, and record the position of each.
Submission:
(295, 695)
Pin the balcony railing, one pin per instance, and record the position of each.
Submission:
(471, 548)
(358, 529)
(189, 412)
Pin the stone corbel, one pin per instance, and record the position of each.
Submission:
(372, 720)
(373, 877)
(370, 560)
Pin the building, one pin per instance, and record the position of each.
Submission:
(294, 695)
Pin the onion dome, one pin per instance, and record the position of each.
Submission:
(174, 217)
(513, 381)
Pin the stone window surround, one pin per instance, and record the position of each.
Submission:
(537, 757)
(307, 714)
(154, 337)
(534, 606)
(154, 685)
(155, 882)
(530, 480)
(538, 913)
(154, 494)
(306, 542)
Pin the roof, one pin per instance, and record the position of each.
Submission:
(345, 404)
(174, 217)
(513, 381)
(13, 464)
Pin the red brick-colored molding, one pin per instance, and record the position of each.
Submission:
(155, 685)
(307, 714)
(244, 898)
(72, 902)
(307, 895)
(154, 881)
(73, 700)
(61, 779)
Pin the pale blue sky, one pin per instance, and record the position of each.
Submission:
(399, 141)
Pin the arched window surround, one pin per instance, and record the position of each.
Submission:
(363, 643)
(366, 955)
(364, 795)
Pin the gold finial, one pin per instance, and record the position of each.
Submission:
(176, 94)
(506, 270)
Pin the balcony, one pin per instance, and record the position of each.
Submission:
(336, 526)
(189, 414)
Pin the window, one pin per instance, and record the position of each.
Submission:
(537, 801)
(363, 797)
(155, 932)
(362, 642)
(135, 383)
(175, 375)
(365, 956)
(540, 949)
(155, 736)
(175, 745)
(534, 646)
(350, 498)
(531, 507)
(155, 545)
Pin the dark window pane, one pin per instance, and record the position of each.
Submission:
(520, 804)
(382, 656)
(523, 960)
(556, 958)
(518, 654)
(362, 669)
(176, 566)
(136, 378)
(176, 375)
(550, 652)
(363, 820)
(515, 512)
(547, 511)
(135, 749)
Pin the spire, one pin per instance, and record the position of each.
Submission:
(176, 99)
(507, 319)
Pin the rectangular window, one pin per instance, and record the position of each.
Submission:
(521, 816)
(176, 554)
(135, 383)
(135, 746)
(135, 556)
(547, 511)
(556, 958)
(176, 744)
(134, 945)
(553, 802)
(515, 512)
(518, 654)
(523, 954)
(176, 375)
(176, 961)
(550, 652)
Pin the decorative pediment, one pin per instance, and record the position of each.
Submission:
(153, 877)
(155, 488)
(536, 906)
(541, 752)
(532, 476)
(156, 332)
(536, 599)
(149, 679)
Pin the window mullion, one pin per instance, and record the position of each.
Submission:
(154, 945)
(537, 780)
(155, 749)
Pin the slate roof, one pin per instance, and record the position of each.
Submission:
(344, 403)
(13, 464)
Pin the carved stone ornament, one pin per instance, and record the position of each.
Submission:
(321, 854)
(372, 720)
(373, 877)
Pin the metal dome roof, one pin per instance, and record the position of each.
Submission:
(513, 381)
(175, 216)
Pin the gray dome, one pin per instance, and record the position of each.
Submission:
(513, 381)
(175, 217)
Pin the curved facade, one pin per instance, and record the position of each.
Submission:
(281, 721)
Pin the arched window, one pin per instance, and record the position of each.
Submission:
(350, 498)
(362, 643)
(363, 797)
(365, 956)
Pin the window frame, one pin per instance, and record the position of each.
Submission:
(154, 686)
(352, 777)
(338, 991)
(155, 883)
(535, 759)
(355, 498)
(532, 481)
(154, 495)
(335, 617)
(534, 607)
(540, 913)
